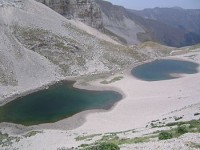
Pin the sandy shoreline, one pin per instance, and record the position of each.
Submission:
(72, 122)
(80, 120)
(69, 123)
(146, 101)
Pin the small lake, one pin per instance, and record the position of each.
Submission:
(56, 103)
(164, 69)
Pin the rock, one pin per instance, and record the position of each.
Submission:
(86, 11)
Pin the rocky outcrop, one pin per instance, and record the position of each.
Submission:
(86, 11)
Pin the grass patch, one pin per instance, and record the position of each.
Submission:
(113, 139)
(104, 146)
(135, 140)
(112, 80)
(32, 133)
(164, 135)
(120, 141)
(192, 126)
(179, 128)
(112, 142)
(81, 138)
(173, 133)
(182, 130)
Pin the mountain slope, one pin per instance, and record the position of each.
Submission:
(187, 19)
(39, 46)
(169, 26)
(116, 20)
(130, 26)
(179, 20)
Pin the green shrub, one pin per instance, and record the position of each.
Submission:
(164, 135)
(181, 130)
(105, 146)
(108, 146)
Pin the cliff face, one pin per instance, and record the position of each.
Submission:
(118, 23)
(86, 11)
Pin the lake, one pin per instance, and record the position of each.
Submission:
(164, 69)
(58, 102)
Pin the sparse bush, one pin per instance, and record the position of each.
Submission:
(32, 133)
(104, 146)
(113, 80)
(181, 130)
(164, 135)
(108, 146)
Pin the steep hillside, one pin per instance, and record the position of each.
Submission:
(159, 32)
(179, 20)
(131, 27)
(187, 19)
(117, 22)
(39, 46)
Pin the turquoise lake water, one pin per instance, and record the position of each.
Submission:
(56, 103)
(163, 69)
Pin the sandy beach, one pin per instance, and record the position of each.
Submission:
(144, 102)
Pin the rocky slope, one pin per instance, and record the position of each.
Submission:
(118, 23)
(39, 46)
(86, 11)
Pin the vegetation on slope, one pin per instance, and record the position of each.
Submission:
(78, 52)
(177, 129)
